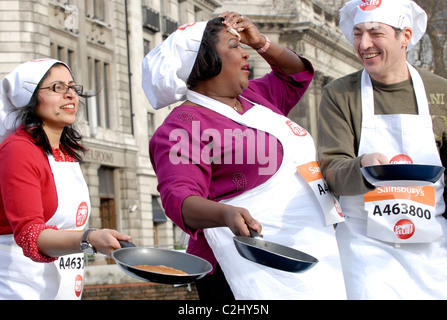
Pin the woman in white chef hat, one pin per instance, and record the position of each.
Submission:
(393, 244)
(212, 197)
(44, 200)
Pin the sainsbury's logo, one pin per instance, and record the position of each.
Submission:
(369, 5)
(315, 170)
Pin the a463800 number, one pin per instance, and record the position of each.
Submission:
(402, 208)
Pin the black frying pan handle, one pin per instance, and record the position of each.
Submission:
(254, 233)
(126, 244)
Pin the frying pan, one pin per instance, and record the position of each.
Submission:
(402, 175)
(273, 255)
(130, 255)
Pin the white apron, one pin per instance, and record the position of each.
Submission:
(290, 213)
(393, 243)
(22, 278)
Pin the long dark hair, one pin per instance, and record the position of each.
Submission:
(70, 139)
(208, 63)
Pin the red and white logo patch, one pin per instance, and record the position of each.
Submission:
(78, 285)
(369, 5)
(401, 159)
(338, 208)
(296, 129)
(82, 214)
(404, 229)
(40, 60)
(186, 25)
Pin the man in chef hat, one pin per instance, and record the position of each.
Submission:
(384, 114)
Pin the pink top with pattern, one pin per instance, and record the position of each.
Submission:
(181, 149)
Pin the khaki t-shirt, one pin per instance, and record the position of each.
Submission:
(340, 123)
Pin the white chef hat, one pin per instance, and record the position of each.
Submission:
(396, 13)
(167, 67)
(16, 90)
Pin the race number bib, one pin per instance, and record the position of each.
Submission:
(402, 214)
(311, 172)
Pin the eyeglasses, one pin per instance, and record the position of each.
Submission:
(63, 88)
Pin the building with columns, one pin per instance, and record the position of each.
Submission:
(104, 42)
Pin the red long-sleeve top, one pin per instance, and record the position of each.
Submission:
(28, 196)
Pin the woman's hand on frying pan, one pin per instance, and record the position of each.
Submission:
(105, 241)
(240, 221)
(201, 213)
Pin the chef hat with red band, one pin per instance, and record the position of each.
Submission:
(396, 13)
(16, 90)
(167, 67)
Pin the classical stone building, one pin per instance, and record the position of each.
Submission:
(105, 41)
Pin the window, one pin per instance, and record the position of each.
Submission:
(99, 83)
(106, 72)
(158, 214)
(150, 124)
(169, 26)
(146, 47)
(98, 89)
(159, 217)
(64, 54)
(98, 10)
(151, 19)
(70, 58)
(95, 9)
(107, 210)
(107, 197)
(60, 53)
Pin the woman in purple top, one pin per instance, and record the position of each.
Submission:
(211, 150)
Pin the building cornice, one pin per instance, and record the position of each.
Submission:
(210, 4)
(332, 42)
(286, 25)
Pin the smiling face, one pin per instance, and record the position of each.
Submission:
(57, 110)
(382, 51)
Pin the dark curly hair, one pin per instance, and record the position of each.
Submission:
(70, 139)
(208, 63)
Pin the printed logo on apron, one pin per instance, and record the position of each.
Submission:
(401, 159)
(404, 229)
(296, 129)
(78, 285)
(82, 214)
